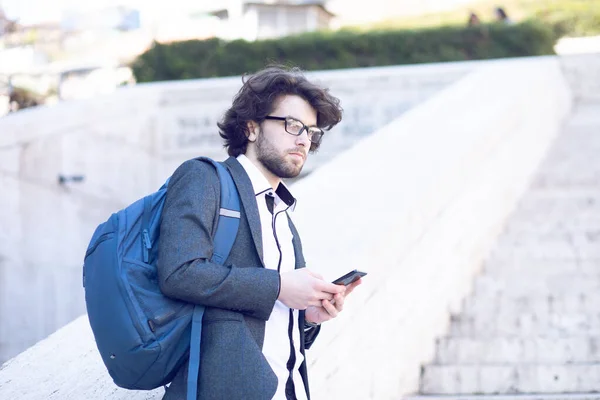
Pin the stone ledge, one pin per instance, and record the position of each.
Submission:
(65, 366)
(565, 396)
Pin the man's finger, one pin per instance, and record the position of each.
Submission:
(331, 288)
(331, 310)
(338, 301)
(316, 302)
(353, 285)
(324, 296)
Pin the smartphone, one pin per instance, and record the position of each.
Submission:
(350, 277)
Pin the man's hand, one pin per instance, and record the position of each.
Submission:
(302, 288)
(329, 309)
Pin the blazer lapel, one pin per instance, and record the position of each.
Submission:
(244, 186)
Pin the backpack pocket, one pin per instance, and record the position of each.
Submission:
(94, 245)
(102, 233)
(163, 324)
(154, 309)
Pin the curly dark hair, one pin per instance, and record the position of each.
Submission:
(256, 99)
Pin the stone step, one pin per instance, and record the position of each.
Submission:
(562, 177)
(542, 274)
(553, 325)
(553, 202)
(578, 148)
(567, 303)
(558, 194)
(578, 223)
(576, 238)
(570, 167)
(536, 249)
(579, 154)
(510, 379)
(560, 396)
(490, 287)
(557, 285)
(547, 217)
(559, 202)
(517, 350)
(572, 152)
(559, 242)
(531, 268)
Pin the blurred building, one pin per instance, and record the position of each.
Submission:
(88, 81)
(44, 37)
(21, 59)
(110, 18)
(4, 95)
(363, 12)
(84, 53)
(255, 20)
(6, 25)
(4, 21)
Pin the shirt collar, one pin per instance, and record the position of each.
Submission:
(261, 185)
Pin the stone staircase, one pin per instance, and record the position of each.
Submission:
(531, 328)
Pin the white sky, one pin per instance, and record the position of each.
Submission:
(36, 11)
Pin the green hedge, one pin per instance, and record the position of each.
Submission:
(344, 49)
(573, 18)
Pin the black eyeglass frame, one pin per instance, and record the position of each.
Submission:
(304, 128)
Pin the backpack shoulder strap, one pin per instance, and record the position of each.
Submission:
(227, 227)
(229, 215)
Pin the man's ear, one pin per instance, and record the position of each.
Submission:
(252, 131)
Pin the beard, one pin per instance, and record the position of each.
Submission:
(274, 162)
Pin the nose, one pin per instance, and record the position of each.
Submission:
(302, 140)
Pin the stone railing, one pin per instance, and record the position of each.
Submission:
(417, 205)
(582, 71)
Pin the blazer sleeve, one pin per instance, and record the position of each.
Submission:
(310, 335)
(185, 271)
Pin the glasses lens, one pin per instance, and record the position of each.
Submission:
(315, 135)
(293, 126)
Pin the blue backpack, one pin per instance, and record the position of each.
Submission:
(143, 336)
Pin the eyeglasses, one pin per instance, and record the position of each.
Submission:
(296, 128)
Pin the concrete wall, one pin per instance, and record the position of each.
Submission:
(416, 205)
(125, 145)
(582, 71)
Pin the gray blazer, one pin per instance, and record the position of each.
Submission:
(239, 296)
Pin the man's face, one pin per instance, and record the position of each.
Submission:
(281, 153)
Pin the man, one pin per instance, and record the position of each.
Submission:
(263, 307)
